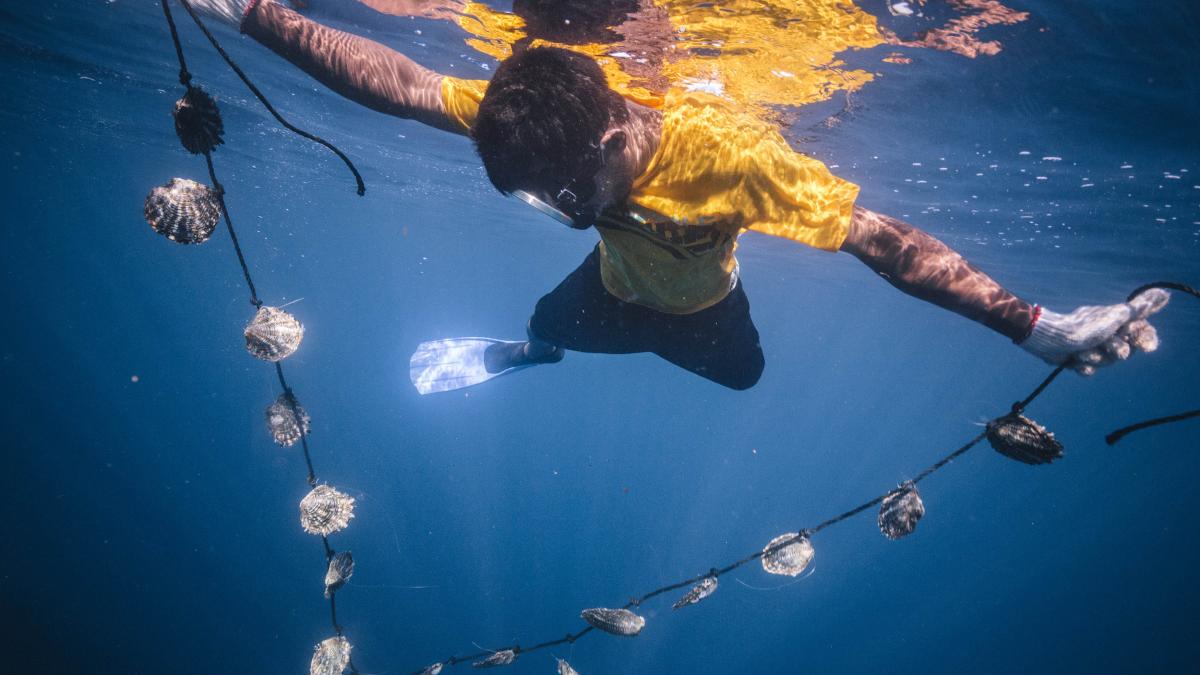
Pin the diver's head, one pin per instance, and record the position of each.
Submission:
(574, 21)
(549, 126)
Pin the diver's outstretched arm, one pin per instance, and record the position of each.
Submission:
(362, 70)
(924, 267)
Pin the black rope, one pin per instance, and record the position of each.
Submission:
(783, 543)
(361, 187)
(185, 78)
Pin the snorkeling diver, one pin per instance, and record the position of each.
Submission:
(668, 189)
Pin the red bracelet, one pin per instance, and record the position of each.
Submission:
(1037, 314)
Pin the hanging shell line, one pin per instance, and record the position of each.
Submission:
(186, 212)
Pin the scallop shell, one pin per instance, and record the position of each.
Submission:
(706, 587)
(435, 669)
(789, 560)
(616, 621)
(324, 511)
(1020, 438)
(331, 657)
(286, 420)
(500, 658)
(565, 668)
(273, 334)
(900, 511)
(341, 568)
(198, 121)
(182, 210)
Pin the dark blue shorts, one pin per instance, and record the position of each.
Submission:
(719, 343)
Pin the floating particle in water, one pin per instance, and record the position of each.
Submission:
(273, 334)
(435, 669)
(198, 121)
(706, 587)
(1126, 166)
(1023, 153)
(789, 560)
(331, 657)
(325, 511)
(286, 420)
(616, 621)
(341, 568)
(565, 668)
(900, 511)
(500, 658)
(1020, 438)
(182, 210)
(1052, 159)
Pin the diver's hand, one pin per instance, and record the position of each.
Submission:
(229, 12)
(1092, 337)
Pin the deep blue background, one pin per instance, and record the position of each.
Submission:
(151, 526)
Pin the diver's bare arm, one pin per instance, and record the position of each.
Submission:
(432, 9)
(362, 70)
(924, 267)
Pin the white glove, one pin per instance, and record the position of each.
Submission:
(1091, 337)
(229, 12)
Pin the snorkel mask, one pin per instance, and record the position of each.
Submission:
(570, 203)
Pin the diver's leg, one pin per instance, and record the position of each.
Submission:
(719, 343)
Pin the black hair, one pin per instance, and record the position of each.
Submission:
(574, 21)
(542, 118)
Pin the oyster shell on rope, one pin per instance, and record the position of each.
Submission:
(273, 334)
(1018, 437)
(341, 568)
(616, 621)
(789, 560)
(435, 669)
(286, 420)
(565, 668)
(324, 511)
(182, 210)
(500, 658)
(198, 121)
(706, 587)
(900, 511)
(331, 657)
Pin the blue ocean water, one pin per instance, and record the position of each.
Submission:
(151, 524)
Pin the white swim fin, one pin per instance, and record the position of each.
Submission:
(454, 363)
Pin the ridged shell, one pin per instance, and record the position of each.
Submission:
(900, 511)
(435, 669)
(282, 420)
(182, 210)
(500, 658)
(565, 668)
(331, 657)
(273, 334)
(616, 621)
(788, 560)
(341, 568)
(198, 121)
(706, 587)
(1020, 438)
(325, 511)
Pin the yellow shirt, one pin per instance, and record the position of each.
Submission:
(717, 171)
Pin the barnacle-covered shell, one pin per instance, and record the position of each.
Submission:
(198, 121)
(565, 668)
(500, 658)
(341, 568)
(182, 210)
(286, 420)
(325, 511)
(900, 511)
(435, 669)
(789, 560)
(331, 657)
(616, 621)
(273, 334)
(706, 587)
(1020, 438)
